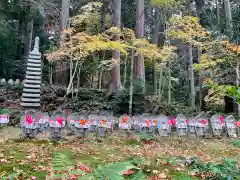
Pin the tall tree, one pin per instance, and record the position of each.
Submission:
(190, 68)
(228, 16)
(155, 36)
(116, 56)
(61, 77)
(139, 71)
(28, 37)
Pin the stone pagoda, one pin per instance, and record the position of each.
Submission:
(32, 83)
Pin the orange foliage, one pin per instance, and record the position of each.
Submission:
(231, 47)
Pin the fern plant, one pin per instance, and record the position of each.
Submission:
(227, 169)
(63, 167)
(62, 161)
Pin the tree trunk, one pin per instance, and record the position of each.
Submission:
(199, 10)
(139, 71)
(103, 16)
(228, 16)
(116, 77)
(160, 86)
(125, 72)
(64, 17)
(155, 41)
(169, 86)
(237, 83)
(131, 85)
(28, 39)
(218, 13)
(21, 31)
(61, 72)
(191, 73)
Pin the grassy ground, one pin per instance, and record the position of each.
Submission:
(157, 158)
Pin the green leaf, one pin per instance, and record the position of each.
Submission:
(215, 170)
(62, 161)
(113, 171)
(138, 176)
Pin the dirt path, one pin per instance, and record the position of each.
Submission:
(10, 132)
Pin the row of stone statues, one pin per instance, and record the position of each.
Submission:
(10, 82)
(81, 124)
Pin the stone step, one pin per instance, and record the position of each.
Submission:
(30, 95)
(34, 56)
(23, 104)
(34, 65)
(34, 69)
(33, 73)
(28, 81)
(30, 99)
(35, 86)
(33, 77)
(38, 61)
(31, 90)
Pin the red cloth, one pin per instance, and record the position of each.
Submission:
(221, 118)
(148, 122)
(204, 121)
(172, 122)
(29, 119)
(237, 123)
(124, 118)
(60, 120)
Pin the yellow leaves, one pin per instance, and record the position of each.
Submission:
(208, 81)
(206, 61)
(151, 51)
(195, 19)
(167, 52)
(88, 18)
(166, 3)
(231, 47)
(80, 45)
(128, 35)
(114, 30)
(215, 96)
(187, 29)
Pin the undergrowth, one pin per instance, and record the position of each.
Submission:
(64, 167)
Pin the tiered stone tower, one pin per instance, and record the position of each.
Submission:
(32, 82)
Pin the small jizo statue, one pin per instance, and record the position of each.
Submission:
(4, 117)
(57, 123)
(124, 122)
(29, 124)
(231, 126)
(217, 122)
(93, 122)
(71, 119)
(145, 123)
(43, 120)
(164, 125)
(102, 126)
(81, 126)
(182, 125)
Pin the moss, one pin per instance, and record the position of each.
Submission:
(88, 159)
(132, 142)
(27, 170)
(181, 175)
(35, 142)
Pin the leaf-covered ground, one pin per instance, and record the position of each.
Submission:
(158, 158)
